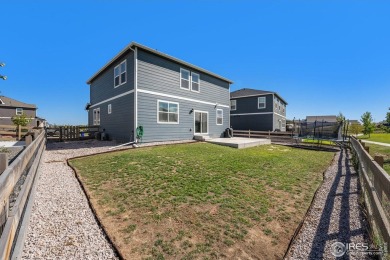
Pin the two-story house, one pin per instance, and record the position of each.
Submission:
(10, 108)
(170, 98)
(258, 110)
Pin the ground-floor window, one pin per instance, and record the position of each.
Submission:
(219, 116)
(167, 112)
(96, 116)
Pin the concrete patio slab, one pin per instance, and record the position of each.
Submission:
(239, 142)
(12, 143)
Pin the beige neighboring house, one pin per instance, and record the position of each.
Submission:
(10, 107)
(329, 119)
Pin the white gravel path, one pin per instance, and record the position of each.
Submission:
(62, 226)
(335, 216)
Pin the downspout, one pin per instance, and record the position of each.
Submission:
(135, 51)
(229, 125)
(135, 91)
(273, 112)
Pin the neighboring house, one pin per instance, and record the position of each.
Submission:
(328, 119)
(354, 121)
(258, 110)
(10, 107)
(170, 98)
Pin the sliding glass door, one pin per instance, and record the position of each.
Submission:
(201, 122)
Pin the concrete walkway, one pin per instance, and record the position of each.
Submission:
(378, 143)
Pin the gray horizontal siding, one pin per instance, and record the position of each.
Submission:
(278, 119)
(119, 125)
(153, 131)
(11, 111)
(252, 122)
(249, 105)
(103, 88)
(278, 109)
(163, 76)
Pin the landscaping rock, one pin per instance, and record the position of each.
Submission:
(335, 215)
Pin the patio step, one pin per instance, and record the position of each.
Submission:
(201, 137)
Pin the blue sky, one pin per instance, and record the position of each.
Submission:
(323, 57)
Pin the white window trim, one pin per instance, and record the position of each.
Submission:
(207, 122)
(120, 73)
(235, 105)
(189, 80)
(178, 112)
(109, 109)
(19, 113)
(258, 102)
(192, 81)
(216, 117)
(95, 119)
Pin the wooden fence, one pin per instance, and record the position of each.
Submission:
(65, 133)
(26, 164)
(282, 137)
(12, 131)
(376, 189)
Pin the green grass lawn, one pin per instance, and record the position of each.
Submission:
(318, 142)
(383, 151)
(202, 200)
(383, 138)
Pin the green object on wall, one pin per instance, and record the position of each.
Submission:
(140, 132)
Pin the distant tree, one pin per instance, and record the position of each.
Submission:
(368, 124)
(21, 120)
(356, 129)
(340, 117)
(388, 118)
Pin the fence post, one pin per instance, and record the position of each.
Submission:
(249, 133)
(28, 140)
(19, 132)
(78, 132)
(269, 134)
(60, 133)
(3, 162)
(380, 160)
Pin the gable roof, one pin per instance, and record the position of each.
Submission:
(247, 92)
(9, 102)
(135, 44)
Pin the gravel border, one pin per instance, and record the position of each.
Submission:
(62, 224)
(334, 216)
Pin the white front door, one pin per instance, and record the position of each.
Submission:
(201, 122)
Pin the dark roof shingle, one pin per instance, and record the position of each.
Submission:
(9, 102)
(253, 92)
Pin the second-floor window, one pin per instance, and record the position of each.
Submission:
(184, 79)
(189, 80)
(120, 74)
(19, 111)
(261, 102)
(233, 105)
(195, 82)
